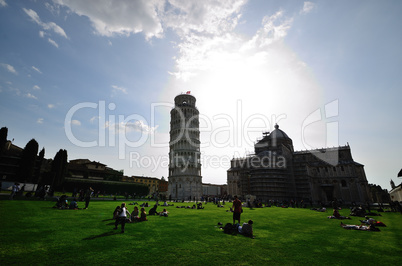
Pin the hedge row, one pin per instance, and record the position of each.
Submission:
(106, 187)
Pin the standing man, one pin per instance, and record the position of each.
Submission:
(122, 217)
(88, 197)
(14, 190)
(237, 209)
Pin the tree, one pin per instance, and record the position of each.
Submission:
(59, 168)
(39, 161)
(28, 160)
(3, 139)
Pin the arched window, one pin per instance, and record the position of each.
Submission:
(344, 184)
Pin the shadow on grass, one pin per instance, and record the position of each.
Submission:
(102, 235)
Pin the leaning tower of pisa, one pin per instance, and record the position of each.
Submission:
(185, 181)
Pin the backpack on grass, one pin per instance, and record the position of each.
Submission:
(229, 228)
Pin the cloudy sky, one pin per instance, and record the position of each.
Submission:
(98, 78)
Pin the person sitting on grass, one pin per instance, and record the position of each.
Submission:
(164, 213)
(247, 229)
(135, 215)
(336, 215)
(122, 217)
(143, 215)
(74, 204)
(153, 211)
(62, 203)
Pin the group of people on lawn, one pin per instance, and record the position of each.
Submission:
(366, 225)
(122, 215)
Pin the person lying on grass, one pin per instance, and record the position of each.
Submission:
(360, 227)
(371, 221)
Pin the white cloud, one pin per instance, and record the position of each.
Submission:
(206, 17)
(50, 26)
(118, 89)
(52, 42)
(50, 106)
(36, 87)
(122, 17)
(36, 69)
(150, 17)
(42, 34)
(307, 7)
(39, 121)
(31, 96)
(199, 52)
(137, 126)
(273, 29)
(10, 68)
(94, 118)
(52, 8)
(75, 122)
(3, 3)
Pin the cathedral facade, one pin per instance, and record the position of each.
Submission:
(277, 172)
(185, 181)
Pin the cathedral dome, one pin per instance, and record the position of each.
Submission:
(273, 140)
(277, 133)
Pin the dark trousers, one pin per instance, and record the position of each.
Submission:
(122, 221)
(87, 199)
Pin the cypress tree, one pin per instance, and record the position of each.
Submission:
(38, 166)
(59, 168)
(3, 139)
(28, 160)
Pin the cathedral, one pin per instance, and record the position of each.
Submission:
(277, 172)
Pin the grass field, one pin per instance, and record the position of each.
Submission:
(33, 233)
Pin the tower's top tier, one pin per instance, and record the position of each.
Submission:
(184, 100)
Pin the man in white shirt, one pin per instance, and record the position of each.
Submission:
(122, 217)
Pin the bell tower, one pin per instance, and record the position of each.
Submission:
(185, 181)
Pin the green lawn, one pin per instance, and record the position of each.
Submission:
(33, 233)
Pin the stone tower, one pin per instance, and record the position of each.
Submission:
(185, 181)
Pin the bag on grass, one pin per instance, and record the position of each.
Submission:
(229, 228)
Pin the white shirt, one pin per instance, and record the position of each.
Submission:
(123, 212)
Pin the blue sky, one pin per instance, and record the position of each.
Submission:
(98, 78)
